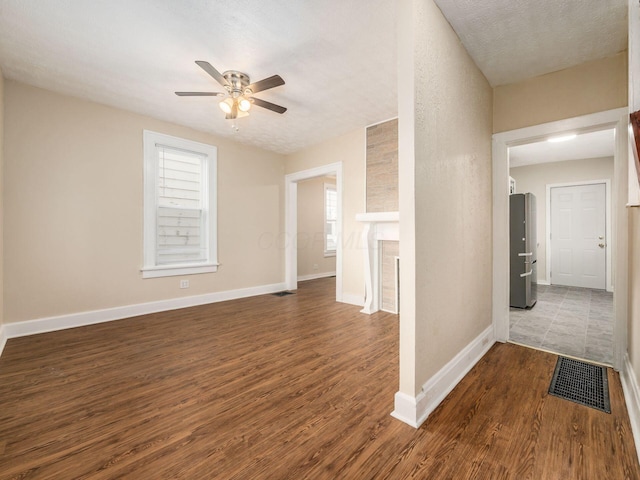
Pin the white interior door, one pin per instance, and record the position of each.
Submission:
(578, 240)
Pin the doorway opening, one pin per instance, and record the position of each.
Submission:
(315, 237)
(574, 312)
(507, 148)
(333, 170)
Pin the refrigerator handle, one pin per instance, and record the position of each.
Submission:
(530, 272)
(530, 254)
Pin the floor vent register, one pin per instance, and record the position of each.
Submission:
(582, 383)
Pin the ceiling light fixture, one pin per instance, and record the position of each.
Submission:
(238, 92)
(226, 105)
(241, 104)
(562, 138)
(244, 104)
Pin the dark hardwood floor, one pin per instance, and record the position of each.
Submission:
(284, 387)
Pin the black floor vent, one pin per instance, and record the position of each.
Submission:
(282, 294)
(581, 383)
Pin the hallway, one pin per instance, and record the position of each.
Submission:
(569, 321)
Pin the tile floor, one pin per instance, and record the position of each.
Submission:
(569, 321)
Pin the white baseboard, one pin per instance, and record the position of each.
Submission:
(3, 338)
(353, 299)
(313, 276)
(406, 408)
(632, 399)
(415, 410)
(50, 324)
(543, 282)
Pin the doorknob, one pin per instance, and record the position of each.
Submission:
(601, 245)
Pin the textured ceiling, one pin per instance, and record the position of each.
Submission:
(337, 58)
(511, 40)
(588, 145)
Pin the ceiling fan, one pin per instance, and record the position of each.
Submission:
(239, 92)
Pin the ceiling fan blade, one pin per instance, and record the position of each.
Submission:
(199, 94)
(207, 67)
(268, 105)
(267, 83)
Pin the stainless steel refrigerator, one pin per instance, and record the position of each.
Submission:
(523, 257)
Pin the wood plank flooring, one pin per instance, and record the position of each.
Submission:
(287, 387)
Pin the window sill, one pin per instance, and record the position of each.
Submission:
(175, 270)
(329, 254)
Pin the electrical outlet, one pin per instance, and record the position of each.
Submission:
(184, 283)
(315, 266)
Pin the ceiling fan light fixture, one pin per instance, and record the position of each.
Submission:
(244, 104)
(226, 105)
(238, 99)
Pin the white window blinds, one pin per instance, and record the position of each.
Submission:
(330, 218)
(181, 229)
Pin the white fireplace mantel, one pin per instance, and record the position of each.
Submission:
(378, 226)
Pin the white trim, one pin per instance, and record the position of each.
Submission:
(405, 409)
(607, 228)
(291, 222)
(314, 276)
(632, 399)
(617, 119)
(415, 410)
(586, 123)
(50, 324)
(378, 217)
(3, 338)
(378, 226)
(170, 270)
(353, 299)
(500, 275)
(209, 153)
(386, 310)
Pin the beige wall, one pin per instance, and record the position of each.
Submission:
(588, 88)
(535, 178)
(73, 208)
(2, 230)
(451, 166)
(350, 150)
(310, 238)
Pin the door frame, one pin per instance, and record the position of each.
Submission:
(617, 119)
(607, 212)
(291, 222)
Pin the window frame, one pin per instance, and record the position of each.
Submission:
(151, 269)
(334, 188)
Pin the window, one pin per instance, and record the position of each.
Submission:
(179, 206)
(330, 219)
